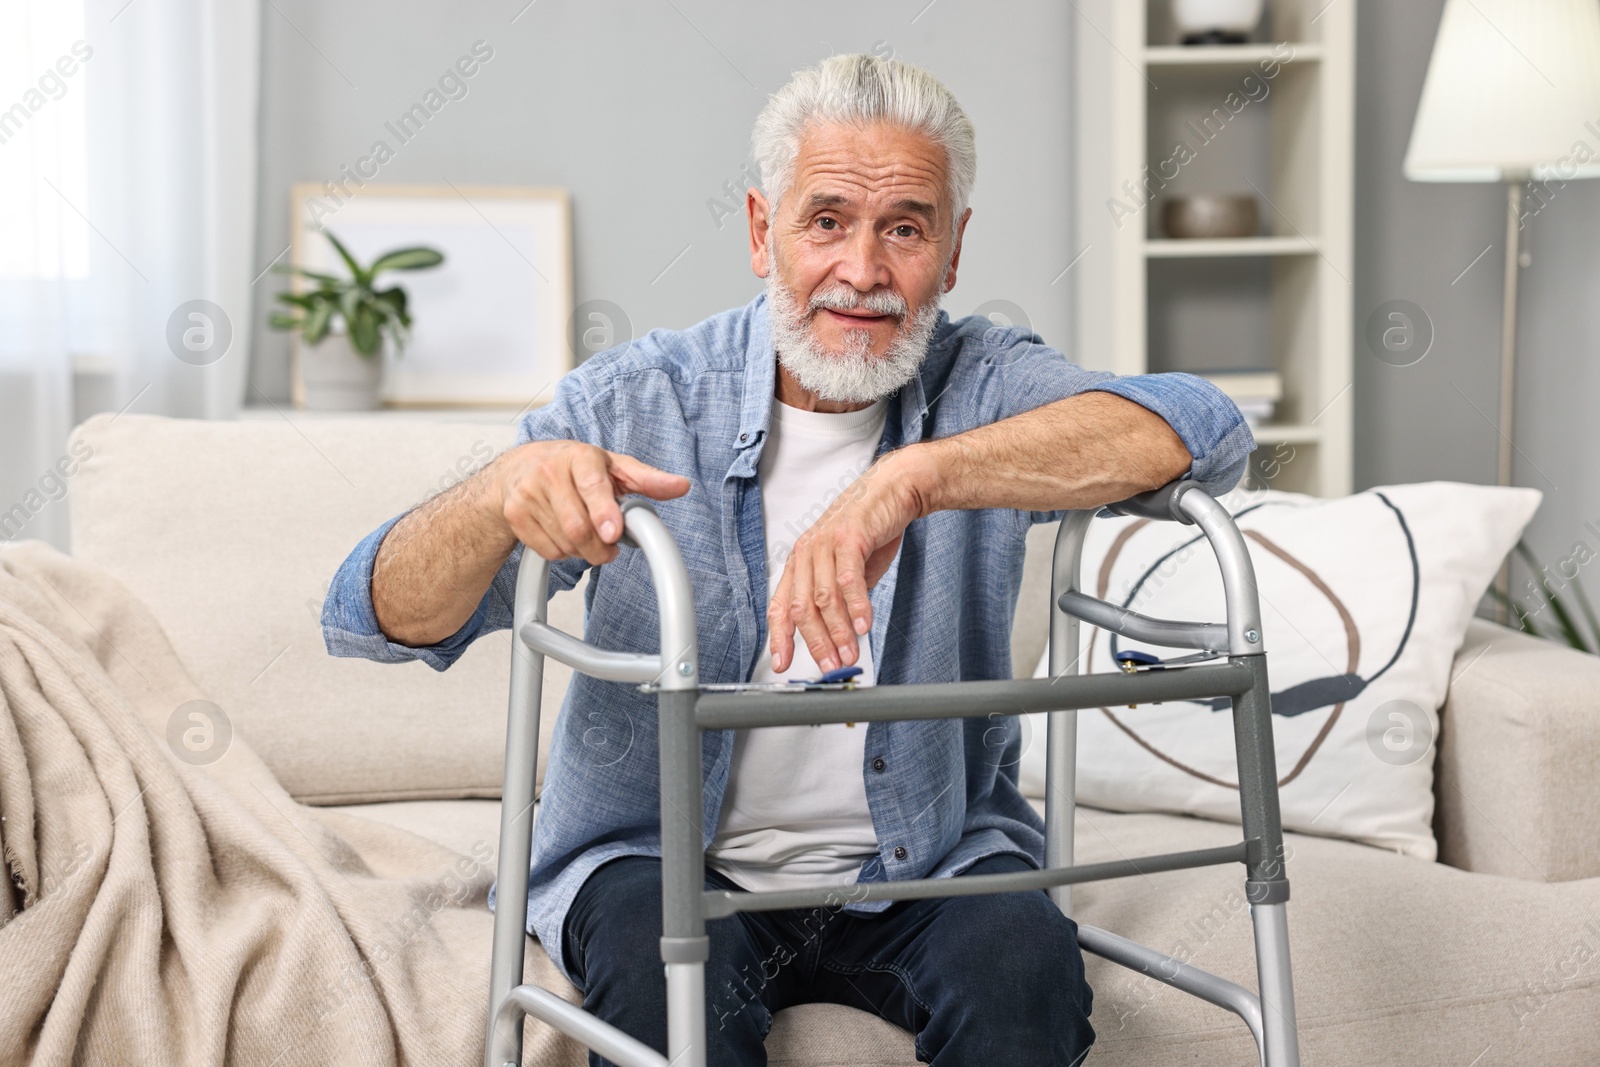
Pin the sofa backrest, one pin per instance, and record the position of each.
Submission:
(230, 532)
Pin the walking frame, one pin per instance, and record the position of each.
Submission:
(685, 711)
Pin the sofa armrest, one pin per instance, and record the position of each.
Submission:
(1519, 741)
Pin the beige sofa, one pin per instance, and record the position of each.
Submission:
(230, 532)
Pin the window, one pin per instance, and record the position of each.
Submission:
(43, 158)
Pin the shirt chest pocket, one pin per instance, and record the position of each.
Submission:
(623, 613)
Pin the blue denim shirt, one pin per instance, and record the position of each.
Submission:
(697, 402)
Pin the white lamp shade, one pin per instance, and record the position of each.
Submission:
(1512, 92)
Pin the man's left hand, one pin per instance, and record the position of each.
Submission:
(824, 590)
(1081, 452)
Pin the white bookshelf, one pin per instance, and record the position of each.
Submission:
(1280, 300)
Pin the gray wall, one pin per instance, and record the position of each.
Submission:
(643, 109)
(1436, 418)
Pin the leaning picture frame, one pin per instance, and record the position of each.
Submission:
(492, 324)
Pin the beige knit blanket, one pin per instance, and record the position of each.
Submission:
(157, 913)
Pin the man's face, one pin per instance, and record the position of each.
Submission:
(862, 244)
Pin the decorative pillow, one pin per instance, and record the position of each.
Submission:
(1364, 601)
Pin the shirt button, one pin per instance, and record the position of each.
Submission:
(878, 764)
(900, 852)
(744, 437)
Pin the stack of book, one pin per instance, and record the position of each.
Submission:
(1256, 392)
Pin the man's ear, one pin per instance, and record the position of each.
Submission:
(955, 254)
(755, 206)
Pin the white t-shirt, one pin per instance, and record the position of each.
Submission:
(795, 813)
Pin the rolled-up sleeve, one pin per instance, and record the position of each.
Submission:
(350, 625)
(349, 622)
(1024, 374)
(1209, 424)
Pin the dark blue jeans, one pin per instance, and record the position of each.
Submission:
(979, 980)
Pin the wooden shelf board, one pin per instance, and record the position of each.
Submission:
(1163, 248)
(1226, 55)
(1285, 433)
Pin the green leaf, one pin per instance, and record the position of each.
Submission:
(364, 331)
(1588, 612)
(1569, 629)
(395, 300)
(325, 280)
(361, 277)
(349, 301)
(1525, 622)
(1523, 618)
(299, 300)
(317, 320)
(282, 320)
(407, 259)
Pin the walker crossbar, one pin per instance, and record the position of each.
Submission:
(684, 713)
(1203, 635)
(722, 902)
(963, 700)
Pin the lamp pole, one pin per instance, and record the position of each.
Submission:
(1508, 368)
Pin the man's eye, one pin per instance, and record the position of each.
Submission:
(905, 229)
(827, 223)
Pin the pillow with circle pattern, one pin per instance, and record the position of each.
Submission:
(1364, 601)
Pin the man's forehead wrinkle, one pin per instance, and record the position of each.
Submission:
(855, 169)
(888, 188)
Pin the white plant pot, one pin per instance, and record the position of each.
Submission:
(1216, 19)
(338, 378)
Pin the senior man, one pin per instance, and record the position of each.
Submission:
(850, 476)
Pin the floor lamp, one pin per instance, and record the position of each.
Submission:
(1512, 95)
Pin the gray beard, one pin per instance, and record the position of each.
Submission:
(854, 376)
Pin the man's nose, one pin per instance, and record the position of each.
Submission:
(863, 263)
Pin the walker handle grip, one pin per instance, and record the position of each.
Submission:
(1159, 503)
(1182, 501)
(676, 666)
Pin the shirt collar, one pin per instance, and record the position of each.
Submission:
(760, 376)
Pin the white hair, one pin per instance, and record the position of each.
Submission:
(859, 89)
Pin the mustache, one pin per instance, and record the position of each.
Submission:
(882, 302)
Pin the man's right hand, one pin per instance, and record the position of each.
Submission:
(557, 497)
(560, 497)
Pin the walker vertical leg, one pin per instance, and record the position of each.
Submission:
(686, 1014)
(1060, 783)
(1061, 745)
(684, 945)
(1266, 881)
(1281, 1047)
(504, 1043)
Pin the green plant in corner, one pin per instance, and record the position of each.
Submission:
(1567, 625)
(367, 312)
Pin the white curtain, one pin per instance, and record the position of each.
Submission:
(127, 195)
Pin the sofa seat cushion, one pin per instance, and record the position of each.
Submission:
(456, 824)
(1395, 959)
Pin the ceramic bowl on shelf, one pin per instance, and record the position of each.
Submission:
(1216, 21)
(1194, 217)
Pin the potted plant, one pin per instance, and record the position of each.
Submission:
(345, 323)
